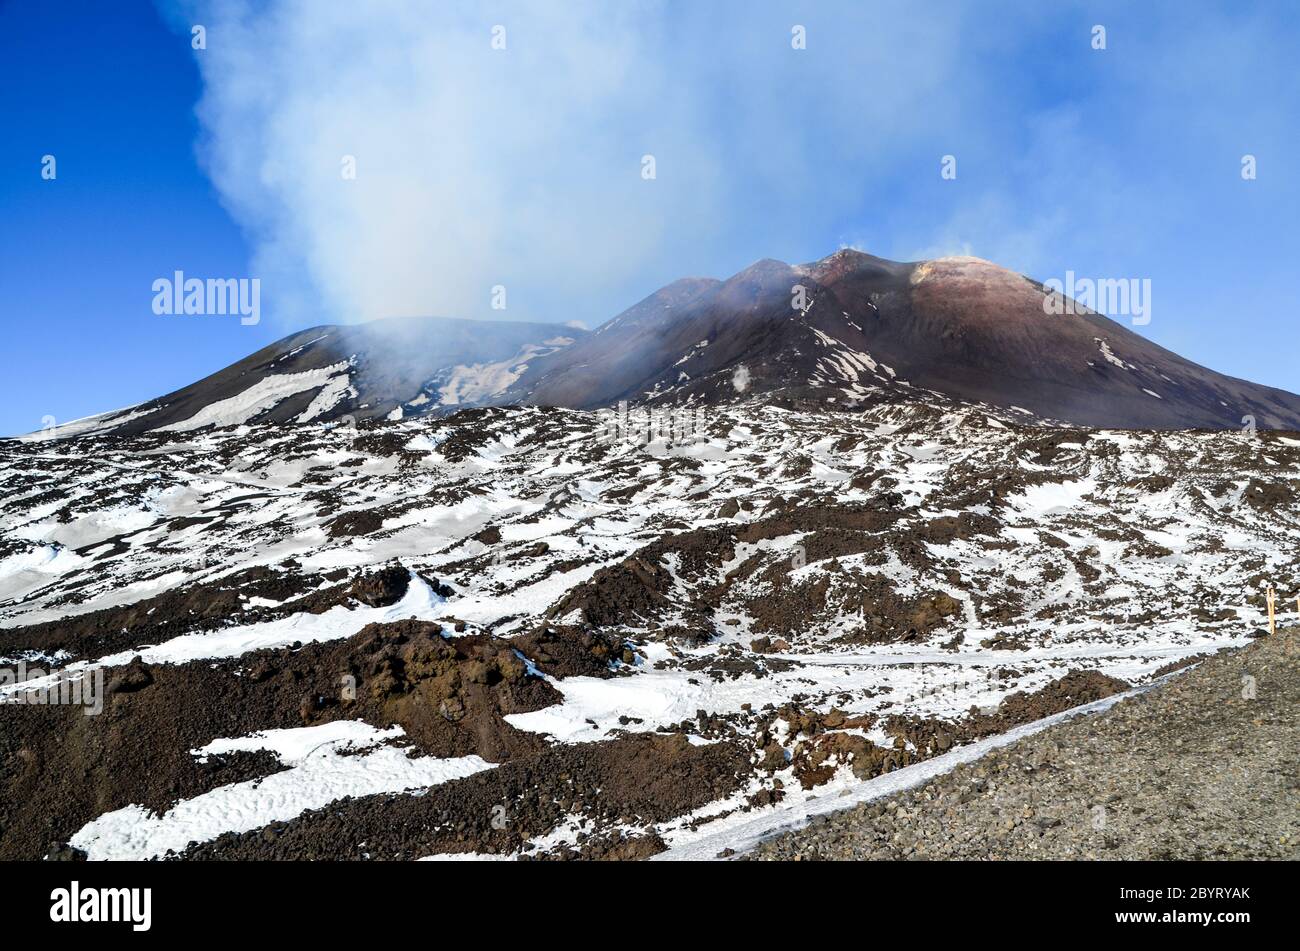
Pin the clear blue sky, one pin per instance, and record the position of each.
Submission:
(522, 166)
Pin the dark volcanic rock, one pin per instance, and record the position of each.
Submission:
(381, 588)
(962, 327)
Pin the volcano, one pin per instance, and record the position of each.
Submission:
(852, 329)
(846, 332)
(873, 546)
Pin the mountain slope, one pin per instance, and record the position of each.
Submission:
(628, 645)
(365, 371)
(863, 329)
(848, 331)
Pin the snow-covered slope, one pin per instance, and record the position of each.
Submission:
(399, 367)
(649, 639)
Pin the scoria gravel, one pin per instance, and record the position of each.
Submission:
(1203, 766)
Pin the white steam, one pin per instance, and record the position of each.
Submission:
(522, 168)
(475, 168)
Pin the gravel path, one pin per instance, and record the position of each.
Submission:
(1206, 766)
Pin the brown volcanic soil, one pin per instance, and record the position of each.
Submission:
(564, 650)
(821, 743)
(204, 606)
(59, 768)
(886, 617)
(637, 778)
(639, 589)
(932, 736)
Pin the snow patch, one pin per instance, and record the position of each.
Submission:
(318, 774)
(257, 399)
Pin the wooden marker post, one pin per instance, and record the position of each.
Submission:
(1272, 612)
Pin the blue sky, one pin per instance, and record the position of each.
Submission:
(521, 166)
